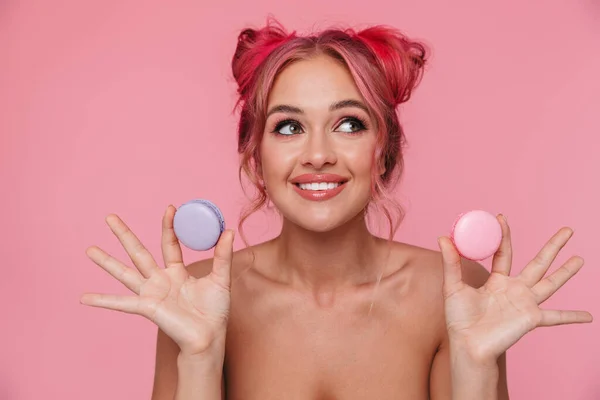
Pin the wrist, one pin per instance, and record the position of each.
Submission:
(464, 365)
(474, 357)
(474, 375)
(204, 367)
(207, 358)
(197, 352)
(199, 376)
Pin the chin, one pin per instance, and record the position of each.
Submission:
(320, 221)
(317, 225)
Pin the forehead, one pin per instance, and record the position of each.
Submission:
(316, 83)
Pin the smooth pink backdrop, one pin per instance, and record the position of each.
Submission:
(125, 106)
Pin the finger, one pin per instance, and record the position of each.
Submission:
(222, 259)
(564, 317)
(549, 285)
(126, 304)
(171, 249)
(127, 276)
(452, 268)
(502, 260)
(537, 268)
(141, 257)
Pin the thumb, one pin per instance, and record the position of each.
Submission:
(451, 266)
(222, 258)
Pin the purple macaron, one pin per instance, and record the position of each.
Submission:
(198, 224)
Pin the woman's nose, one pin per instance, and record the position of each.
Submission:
(319, 150)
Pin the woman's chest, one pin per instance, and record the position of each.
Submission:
(297, 352)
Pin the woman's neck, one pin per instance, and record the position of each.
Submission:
(330, 261)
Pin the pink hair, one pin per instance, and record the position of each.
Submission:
(386, 67)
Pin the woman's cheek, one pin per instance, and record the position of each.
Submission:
(360, 157)
(278, 160)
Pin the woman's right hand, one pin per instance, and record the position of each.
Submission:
(193, 312)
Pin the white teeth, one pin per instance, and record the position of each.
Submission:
(319, 185)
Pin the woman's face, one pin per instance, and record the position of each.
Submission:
(318, 145)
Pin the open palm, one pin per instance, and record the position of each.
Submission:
(490, 319)
(193, 312)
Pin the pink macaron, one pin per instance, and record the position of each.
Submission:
(476, 234)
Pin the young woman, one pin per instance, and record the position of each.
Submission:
(327, 310)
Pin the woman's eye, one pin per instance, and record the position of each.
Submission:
(349, 125)
(353, 125)
(288, 128)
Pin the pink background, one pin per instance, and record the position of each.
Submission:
(123, 106)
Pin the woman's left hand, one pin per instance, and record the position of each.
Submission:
(487, 321)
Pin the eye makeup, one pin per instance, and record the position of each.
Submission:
(362, 125)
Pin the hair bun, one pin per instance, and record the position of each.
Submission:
(253, 46)
(401, 59)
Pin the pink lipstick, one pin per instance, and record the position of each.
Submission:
(319, 187)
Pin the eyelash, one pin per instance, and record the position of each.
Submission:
(286, 121)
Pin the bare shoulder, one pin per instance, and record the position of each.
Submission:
(428, 264)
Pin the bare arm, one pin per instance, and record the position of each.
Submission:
(443, 368)
(174, 375)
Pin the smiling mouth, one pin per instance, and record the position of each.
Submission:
(317, 186)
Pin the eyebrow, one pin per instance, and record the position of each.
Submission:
(333, 107)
